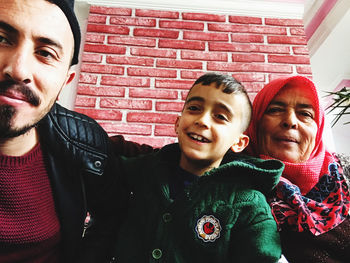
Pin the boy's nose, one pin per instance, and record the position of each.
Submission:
(203, 120)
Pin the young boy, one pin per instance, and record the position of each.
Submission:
(198, 201)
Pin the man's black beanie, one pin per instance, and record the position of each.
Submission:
(67, 6)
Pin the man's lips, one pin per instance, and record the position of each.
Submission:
(14, 95)
(18, 91)
(198, 138)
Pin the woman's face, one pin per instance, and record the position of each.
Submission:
(288, 129)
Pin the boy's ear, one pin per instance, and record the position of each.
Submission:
(177, 124)
(239, 146)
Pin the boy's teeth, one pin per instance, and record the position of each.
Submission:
(198, 137)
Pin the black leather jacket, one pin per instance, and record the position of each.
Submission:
(84, 177)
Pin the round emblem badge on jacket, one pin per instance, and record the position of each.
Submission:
(208, 228)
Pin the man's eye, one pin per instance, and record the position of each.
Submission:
(3, 40)
(45, 54)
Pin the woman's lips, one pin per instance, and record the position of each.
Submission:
(287, 139)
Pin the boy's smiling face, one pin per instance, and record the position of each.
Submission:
(210, 123)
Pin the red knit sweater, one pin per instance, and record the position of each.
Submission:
(29, 227)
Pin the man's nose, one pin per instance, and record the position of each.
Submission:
(18, 65)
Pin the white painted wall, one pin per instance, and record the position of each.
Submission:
(330, 63)
(68, 94)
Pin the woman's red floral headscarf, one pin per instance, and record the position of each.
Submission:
(295, 207)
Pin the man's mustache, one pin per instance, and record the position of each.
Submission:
(22, 89)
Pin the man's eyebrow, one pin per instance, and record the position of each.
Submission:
(8, 28)
(50, 42)
(45, 40)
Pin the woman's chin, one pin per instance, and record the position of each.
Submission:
(286, 157)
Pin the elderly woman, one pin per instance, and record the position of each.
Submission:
(311, 202)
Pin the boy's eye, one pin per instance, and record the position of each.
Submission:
(193, 108)
(221, 117)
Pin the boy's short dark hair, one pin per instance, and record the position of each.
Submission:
(230, 85)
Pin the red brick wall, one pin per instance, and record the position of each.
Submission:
(138, 64)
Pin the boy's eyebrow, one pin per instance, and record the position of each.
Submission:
(195, 98)
(225, 108)
(220, 105)
(45, 40)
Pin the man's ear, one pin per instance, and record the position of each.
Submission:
(70, 76)
(177, 124)
(239, 146)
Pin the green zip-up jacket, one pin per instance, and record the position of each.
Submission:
(221, 217)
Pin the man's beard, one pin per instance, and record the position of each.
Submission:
(8, 112)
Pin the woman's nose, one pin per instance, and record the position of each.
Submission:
(18, 66)
(290, 120)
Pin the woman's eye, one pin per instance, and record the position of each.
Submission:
(307, 114)
(274, 110)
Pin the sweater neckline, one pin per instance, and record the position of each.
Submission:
(7, 160)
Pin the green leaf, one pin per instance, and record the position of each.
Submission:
(341, 101)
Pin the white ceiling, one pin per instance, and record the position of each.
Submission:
(266, 8)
